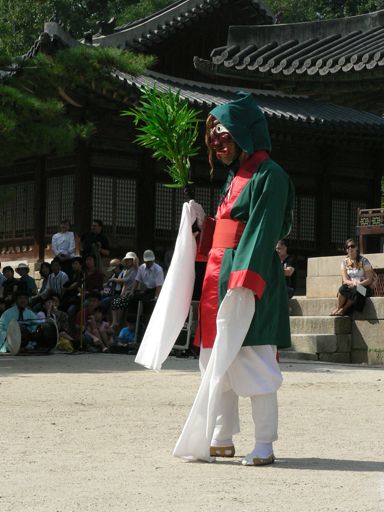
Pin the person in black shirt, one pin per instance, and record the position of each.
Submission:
(95, 243)
(9, 286)
(288, 263)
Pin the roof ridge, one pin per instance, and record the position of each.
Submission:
(173, 15)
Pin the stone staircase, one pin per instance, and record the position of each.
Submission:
(319, 337)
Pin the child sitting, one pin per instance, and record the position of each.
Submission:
(126, 336)
(99, 331)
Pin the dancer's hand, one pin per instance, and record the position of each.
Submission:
(198, 213)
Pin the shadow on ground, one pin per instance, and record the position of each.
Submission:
(84, 363)
(318, 464)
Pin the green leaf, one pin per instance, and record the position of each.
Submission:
(168, 126)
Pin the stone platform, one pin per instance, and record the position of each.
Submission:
(318, 336)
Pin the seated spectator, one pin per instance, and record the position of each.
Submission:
(56, 280)
(126, 336)
(25, 283)
(37, 301)
(51, 311)
(93, 278)
(70, 300)
(81, 320)
(20, 312)
(95, 243)
(63, 246)
(112, 287)
(149, 279)
(288, 264)
(357, 276)
(99, 331)
(126, 279)
(2, 277)
(9, 286)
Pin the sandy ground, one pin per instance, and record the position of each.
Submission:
(95, 433)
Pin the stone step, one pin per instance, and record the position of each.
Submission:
(303, 306)
(321, 343)
(292, 354)
(320, 325)
(306, 306)
(337, 357)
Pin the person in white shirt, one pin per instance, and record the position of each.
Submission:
(63, 245)
(149, 279)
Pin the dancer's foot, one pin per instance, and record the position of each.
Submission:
(222, 448)
(222, 451)
(262, 455)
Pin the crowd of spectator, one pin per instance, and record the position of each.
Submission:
(92, 307)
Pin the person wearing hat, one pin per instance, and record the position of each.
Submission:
(149, 279)
(126, 280)
(243, 313)
(112, 288)
(20, 312)
(26, 282)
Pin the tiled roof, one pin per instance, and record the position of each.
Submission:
(315, 50)
(147, 32)
(290, 110)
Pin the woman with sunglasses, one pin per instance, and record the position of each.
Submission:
(357, 274)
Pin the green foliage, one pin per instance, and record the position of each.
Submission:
(21, 21)
(141, 9)
(306, 10)
(169, 127)
(33, 117)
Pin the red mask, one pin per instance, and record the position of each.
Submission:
(222, 143)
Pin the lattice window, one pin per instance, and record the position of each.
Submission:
(164, 207)
(17, 211)
(303, 232)
(60, 201)
(114, 203)
(344, 219)
(169, 205)
(102, 199)
(203, 196)
(125, 203)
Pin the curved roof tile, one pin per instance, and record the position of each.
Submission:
(144, 33)
(299, 110)
(320, 48)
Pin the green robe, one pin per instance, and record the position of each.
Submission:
(262, 198)
(261, 195)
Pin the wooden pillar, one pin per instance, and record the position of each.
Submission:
(83, 191)
(40, 208)
(146, 199)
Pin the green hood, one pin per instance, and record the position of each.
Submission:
(246, 123)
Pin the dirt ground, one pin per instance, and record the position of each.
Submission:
(95, 432)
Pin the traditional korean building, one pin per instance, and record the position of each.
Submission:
(333, 152)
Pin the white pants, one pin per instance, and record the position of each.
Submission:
(254, 373)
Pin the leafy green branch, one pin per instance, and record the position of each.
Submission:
(168, 126)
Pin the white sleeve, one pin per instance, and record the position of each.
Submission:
(139, 276)
(159, 277)
(64, 279)
(366, 264)
(54, 247)
(72, 244)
